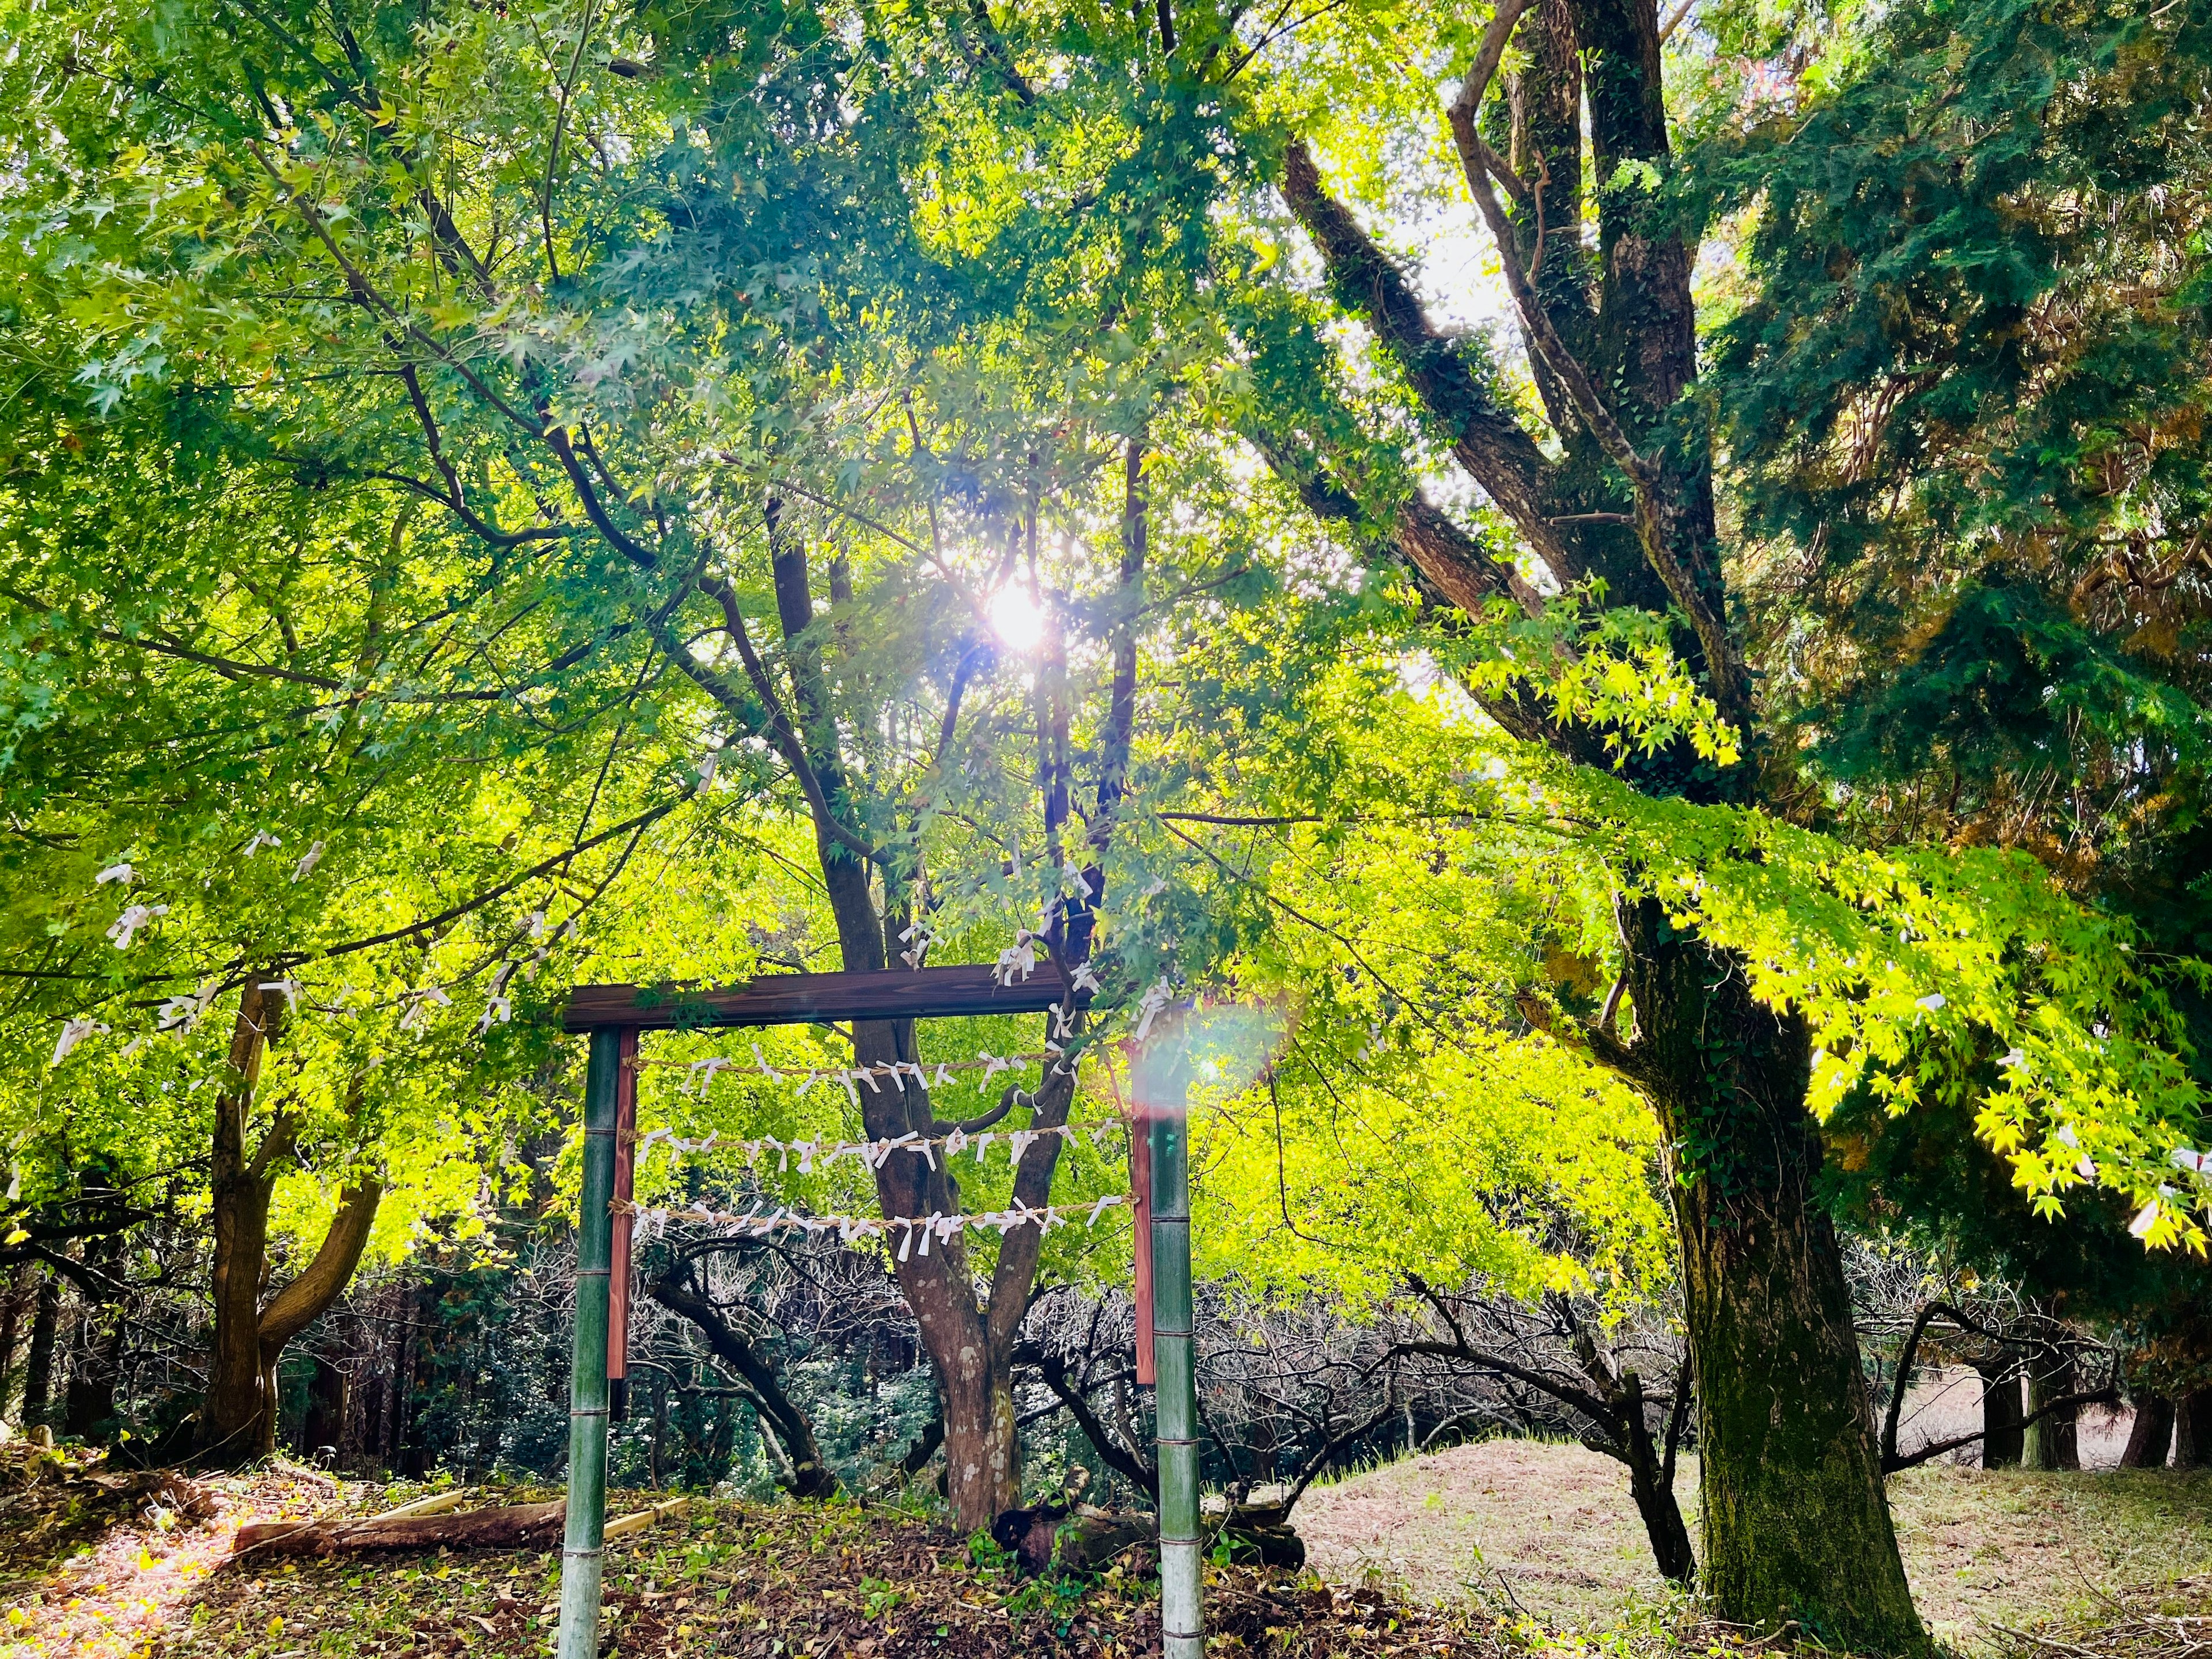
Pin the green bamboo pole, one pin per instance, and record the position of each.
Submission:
(1175, 1402)
(612, 1055)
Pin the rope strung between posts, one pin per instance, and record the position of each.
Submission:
(935, 1074)
(820, 1154)
(759, 1223)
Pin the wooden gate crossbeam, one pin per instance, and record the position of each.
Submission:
(969, 989)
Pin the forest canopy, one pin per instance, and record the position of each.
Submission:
(1636, 583)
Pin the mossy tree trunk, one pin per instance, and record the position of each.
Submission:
(1796, 1524)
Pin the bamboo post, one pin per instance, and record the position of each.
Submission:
(1162, 1096)
(614, 1054)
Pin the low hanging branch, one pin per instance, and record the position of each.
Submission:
(808, 1474)
(1125, 1461)
(1612, 1400)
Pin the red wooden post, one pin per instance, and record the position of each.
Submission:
(618, 1259)
(1140, 1193)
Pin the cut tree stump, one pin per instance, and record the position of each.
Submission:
(513, 1527)
(1258, 1529)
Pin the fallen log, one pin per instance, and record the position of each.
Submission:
(512, 1527)
(1265, 1546)
(1259, 1533)
(1081, 1540)
(1090, 1540)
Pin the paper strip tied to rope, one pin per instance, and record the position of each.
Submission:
(934, 1074)
(761, 1222)
(820, 1154)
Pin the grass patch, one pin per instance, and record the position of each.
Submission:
(1551, 1528)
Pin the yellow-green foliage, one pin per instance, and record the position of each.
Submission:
(1415, 895)
(1933, 972)
(1504, 1160)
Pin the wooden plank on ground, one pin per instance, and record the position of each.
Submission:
(436, 1503)
(970, 988)
(644, 1518)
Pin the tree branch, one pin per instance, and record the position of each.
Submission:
(1487, 439)
(1122, 1459)
(1729, 685)
(2065, 1402)
(780, 730)
(430, 924)
(1598, 1411)
(303, 1301)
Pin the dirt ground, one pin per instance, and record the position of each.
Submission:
(99, 1566)
(1553, 1526)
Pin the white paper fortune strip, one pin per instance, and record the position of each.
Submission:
(935, 1074)
(820, 1154)
(760, 1222)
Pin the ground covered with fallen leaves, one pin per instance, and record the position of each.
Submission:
(134, 1567)
(838, 1582)
(100, 1564)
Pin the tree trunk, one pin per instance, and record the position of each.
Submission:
(1649, 1485)
(659, 1465)
(89, 1398)
(88, 1401)
(39, 1368)
(927, 1445)
(2003, 1440)
(970, 1343)
(324, 1427)
(238, 1418)
(2192, 1429)
(981, 1449)
(232, 1413)
(2053, 1439)
(1796, 1524)
(1618, 1411)
(11, 1328)
(2151, 1437)
(938, 1286)
(1797, 1527)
